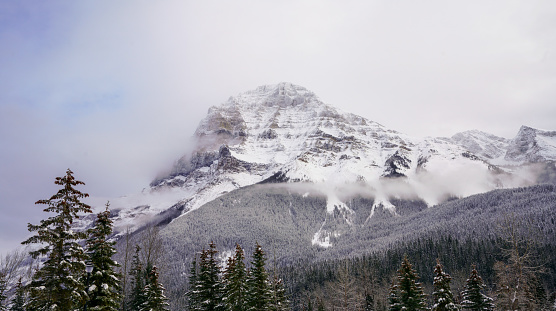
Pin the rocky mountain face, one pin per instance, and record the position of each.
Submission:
(532, 145)
(285, 133)
(528, 146)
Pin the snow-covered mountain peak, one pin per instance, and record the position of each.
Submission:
(284, 133)
(283, 94)
(532, 145)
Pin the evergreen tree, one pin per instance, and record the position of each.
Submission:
(394, 299)
(442, 295)
(369, 303)
(193, 300)
(155, 300)
(235, 287)
(209, 285)
(104, 289)
(18, 302)
(137, 296)
(407, 294)
(258, 289)
(473, 299)
(3, 289)
(278, 299)
(57, 284)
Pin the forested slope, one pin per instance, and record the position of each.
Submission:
(284, 221)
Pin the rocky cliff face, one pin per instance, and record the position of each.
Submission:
(532, 145)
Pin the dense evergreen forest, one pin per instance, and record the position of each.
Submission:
(494, 251)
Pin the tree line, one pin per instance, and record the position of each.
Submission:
(236, 287)
(519, 275)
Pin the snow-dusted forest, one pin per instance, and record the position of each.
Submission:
(473, 262)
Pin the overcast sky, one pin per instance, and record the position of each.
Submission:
(114, 89)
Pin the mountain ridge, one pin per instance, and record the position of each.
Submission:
(284, 132)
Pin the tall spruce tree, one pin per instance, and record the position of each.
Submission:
(57, 285)
(258, 288)
(235, 277)
(104, 289)
(18, 301)
(155, 300)
(473, 298)
(443, 299)
(394, 299)
(209, 284)
(278, 299)
(193, 298)
(407, 294)
(137, 295)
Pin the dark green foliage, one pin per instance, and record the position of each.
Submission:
(210, 289)
(278, 298)
(394, 299)
(443, 299)
(138, 282)
(258, 287)
(154, 293)
(193, 297)
(473, 298)
(57, 284)
(407, 294)
(104, 283)
(235, 286)
(369, 303)
(18, 301)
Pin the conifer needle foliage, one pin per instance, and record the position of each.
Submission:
(104, 289)
(58, 285)
(407, 294)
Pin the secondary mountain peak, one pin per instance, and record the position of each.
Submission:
(532, 145)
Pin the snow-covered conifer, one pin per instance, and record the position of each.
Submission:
(155, 300)
(209, 284)
(278, 299)
(57, 284)
(18, 301)
(258, 293)
(104, 289)
(193, 300)
(473, 298)
(407, 294)
(235, 277)
(137, 296)
(442, 295)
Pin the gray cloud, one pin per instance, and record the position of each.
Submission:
(114, 90)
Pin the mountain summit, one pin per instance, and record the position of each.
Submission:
(285, 133)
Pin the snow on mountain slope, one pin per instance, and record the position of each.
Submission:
(284, 132)
(486, 146)
(532, 145)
